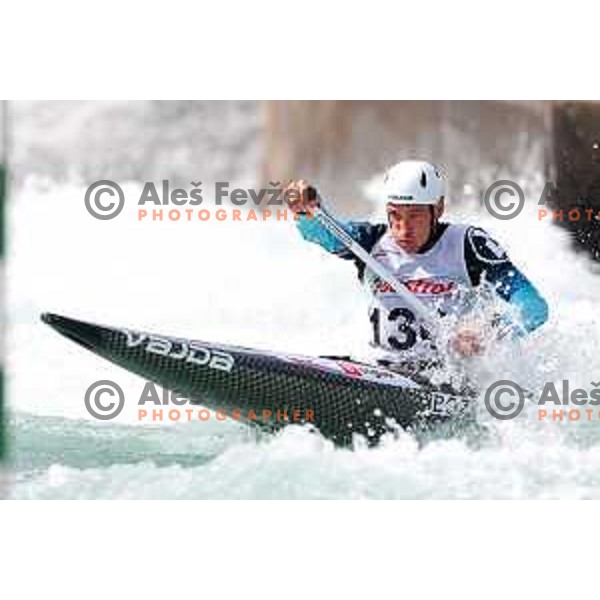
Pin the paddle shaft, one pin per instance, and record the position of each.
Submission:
(342, 235)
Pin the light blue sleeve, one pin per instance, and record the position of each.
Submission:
(533, 309)
(486, 259)
(366, 234)
(313, 231)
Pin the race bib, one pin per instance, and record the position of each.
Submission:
(395, 326)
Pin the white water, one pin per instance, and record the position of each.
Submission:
(258, 284)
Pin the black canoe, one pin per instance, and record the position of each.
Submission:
(338, 397)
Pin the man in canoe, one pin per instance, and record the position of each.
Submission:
(444, 265)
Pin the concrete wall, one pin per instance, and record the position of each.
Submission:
(341, 144)
(573, 164)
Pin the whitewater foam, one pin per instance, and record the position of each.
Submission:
(259, 285)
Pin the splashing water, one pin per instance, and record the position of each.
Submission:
(258, 284)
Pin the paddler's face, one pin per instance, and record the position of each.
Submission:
(411, 224)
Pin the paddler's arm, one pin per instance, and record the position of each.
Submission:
(366, 234)
(486, 259)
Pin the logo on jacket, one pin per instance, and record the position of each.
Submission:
(426, 286)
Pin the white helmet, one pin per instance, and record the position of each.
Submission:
(413, 182)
